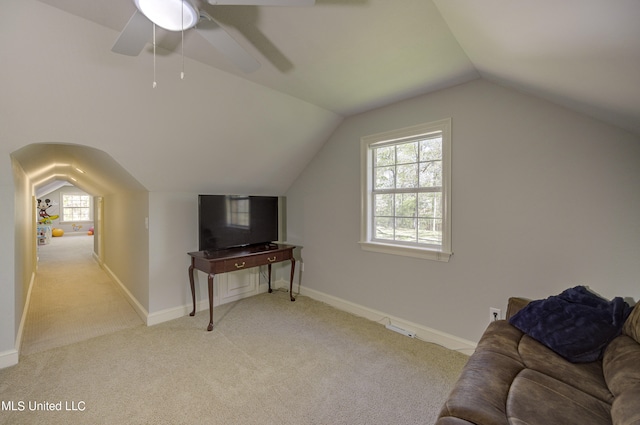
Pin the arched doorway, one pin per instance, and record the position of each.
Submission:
(46, 168)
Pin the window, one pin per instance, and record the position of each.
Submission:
(76, 207)
(406, 193)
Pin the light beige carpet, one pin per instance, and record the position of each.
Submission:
(267, 361)
(72, 298)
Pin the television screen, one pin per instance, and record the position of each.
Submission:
(228, 221)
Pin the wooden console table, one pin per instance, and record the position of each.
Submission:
(228, 260)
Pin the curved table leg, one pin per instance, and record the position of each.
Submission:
(269, 267)
(210, 282)
(293, 269)
(193, 290)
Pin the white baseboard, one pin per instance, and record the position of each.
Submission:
(201, 305)
(9, 358)
(25, 310)
(139, 309)
(175, 312)
(422, 332)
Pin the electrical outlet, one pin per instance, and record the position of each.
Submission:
(494, 314)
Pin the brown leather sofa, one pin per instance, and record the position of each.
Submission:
(511, 379)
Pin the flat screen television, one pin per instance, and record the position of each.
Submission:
(230, 221)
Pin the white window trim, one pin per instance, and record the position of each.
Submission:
(442, 254)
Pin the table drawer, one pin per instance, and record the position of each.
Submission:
(272, 257)
(240, 263)
(222, 262)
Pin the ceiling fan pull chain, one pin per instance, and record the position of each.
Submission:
(182, 17)
(154, 57)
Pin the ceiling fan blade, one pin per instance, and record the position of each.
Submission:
(223, 42)
(135, 35)
(262, 2)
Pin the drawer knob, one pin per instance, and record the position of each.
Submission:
(271, 260)
(239, 266)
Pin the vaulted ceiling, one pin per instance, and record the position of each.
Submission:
(319, 64)
(349, 56)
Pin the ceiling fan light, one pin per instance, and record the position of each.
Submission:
(169, 14)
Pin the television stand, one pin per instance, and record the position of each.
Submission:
(228, 260)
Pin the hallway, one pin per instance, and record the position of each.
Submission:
(72, 298)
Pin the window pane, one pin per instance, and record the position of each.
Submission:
(384, 156)
(430, 205)
(406, 229)
(406, 204)
(76, 214)
(431, 174)
(384, 177)
(431, 149)
(430, 231)
(407, 176)
(383, 228)
(383, 205)
(407, 153)
(80, 214)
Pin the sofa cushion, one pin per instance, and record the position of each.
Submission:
(450, 420)
(537, 399)
(631, 327)
(626, 409)
(501, 338)
(577, 324)
(480, 393)
(586, 377)
(621, 367)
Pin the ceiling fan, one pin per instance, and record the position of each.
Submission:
(179, 15)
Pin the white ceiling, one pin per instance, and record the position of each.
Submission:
(583, 54)
(349, 56)
(319, 64)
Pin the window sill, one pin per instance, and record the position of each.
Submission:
(407, 251)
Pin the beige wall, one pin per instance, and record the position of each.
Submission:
(543, 199)
(25, 240)
(173, 216)
(10, 283)
(126, 242)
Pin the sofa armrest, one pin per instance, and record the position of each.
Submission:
(515, 304)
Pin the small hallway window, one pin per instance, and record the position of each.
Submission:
(76, 207)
